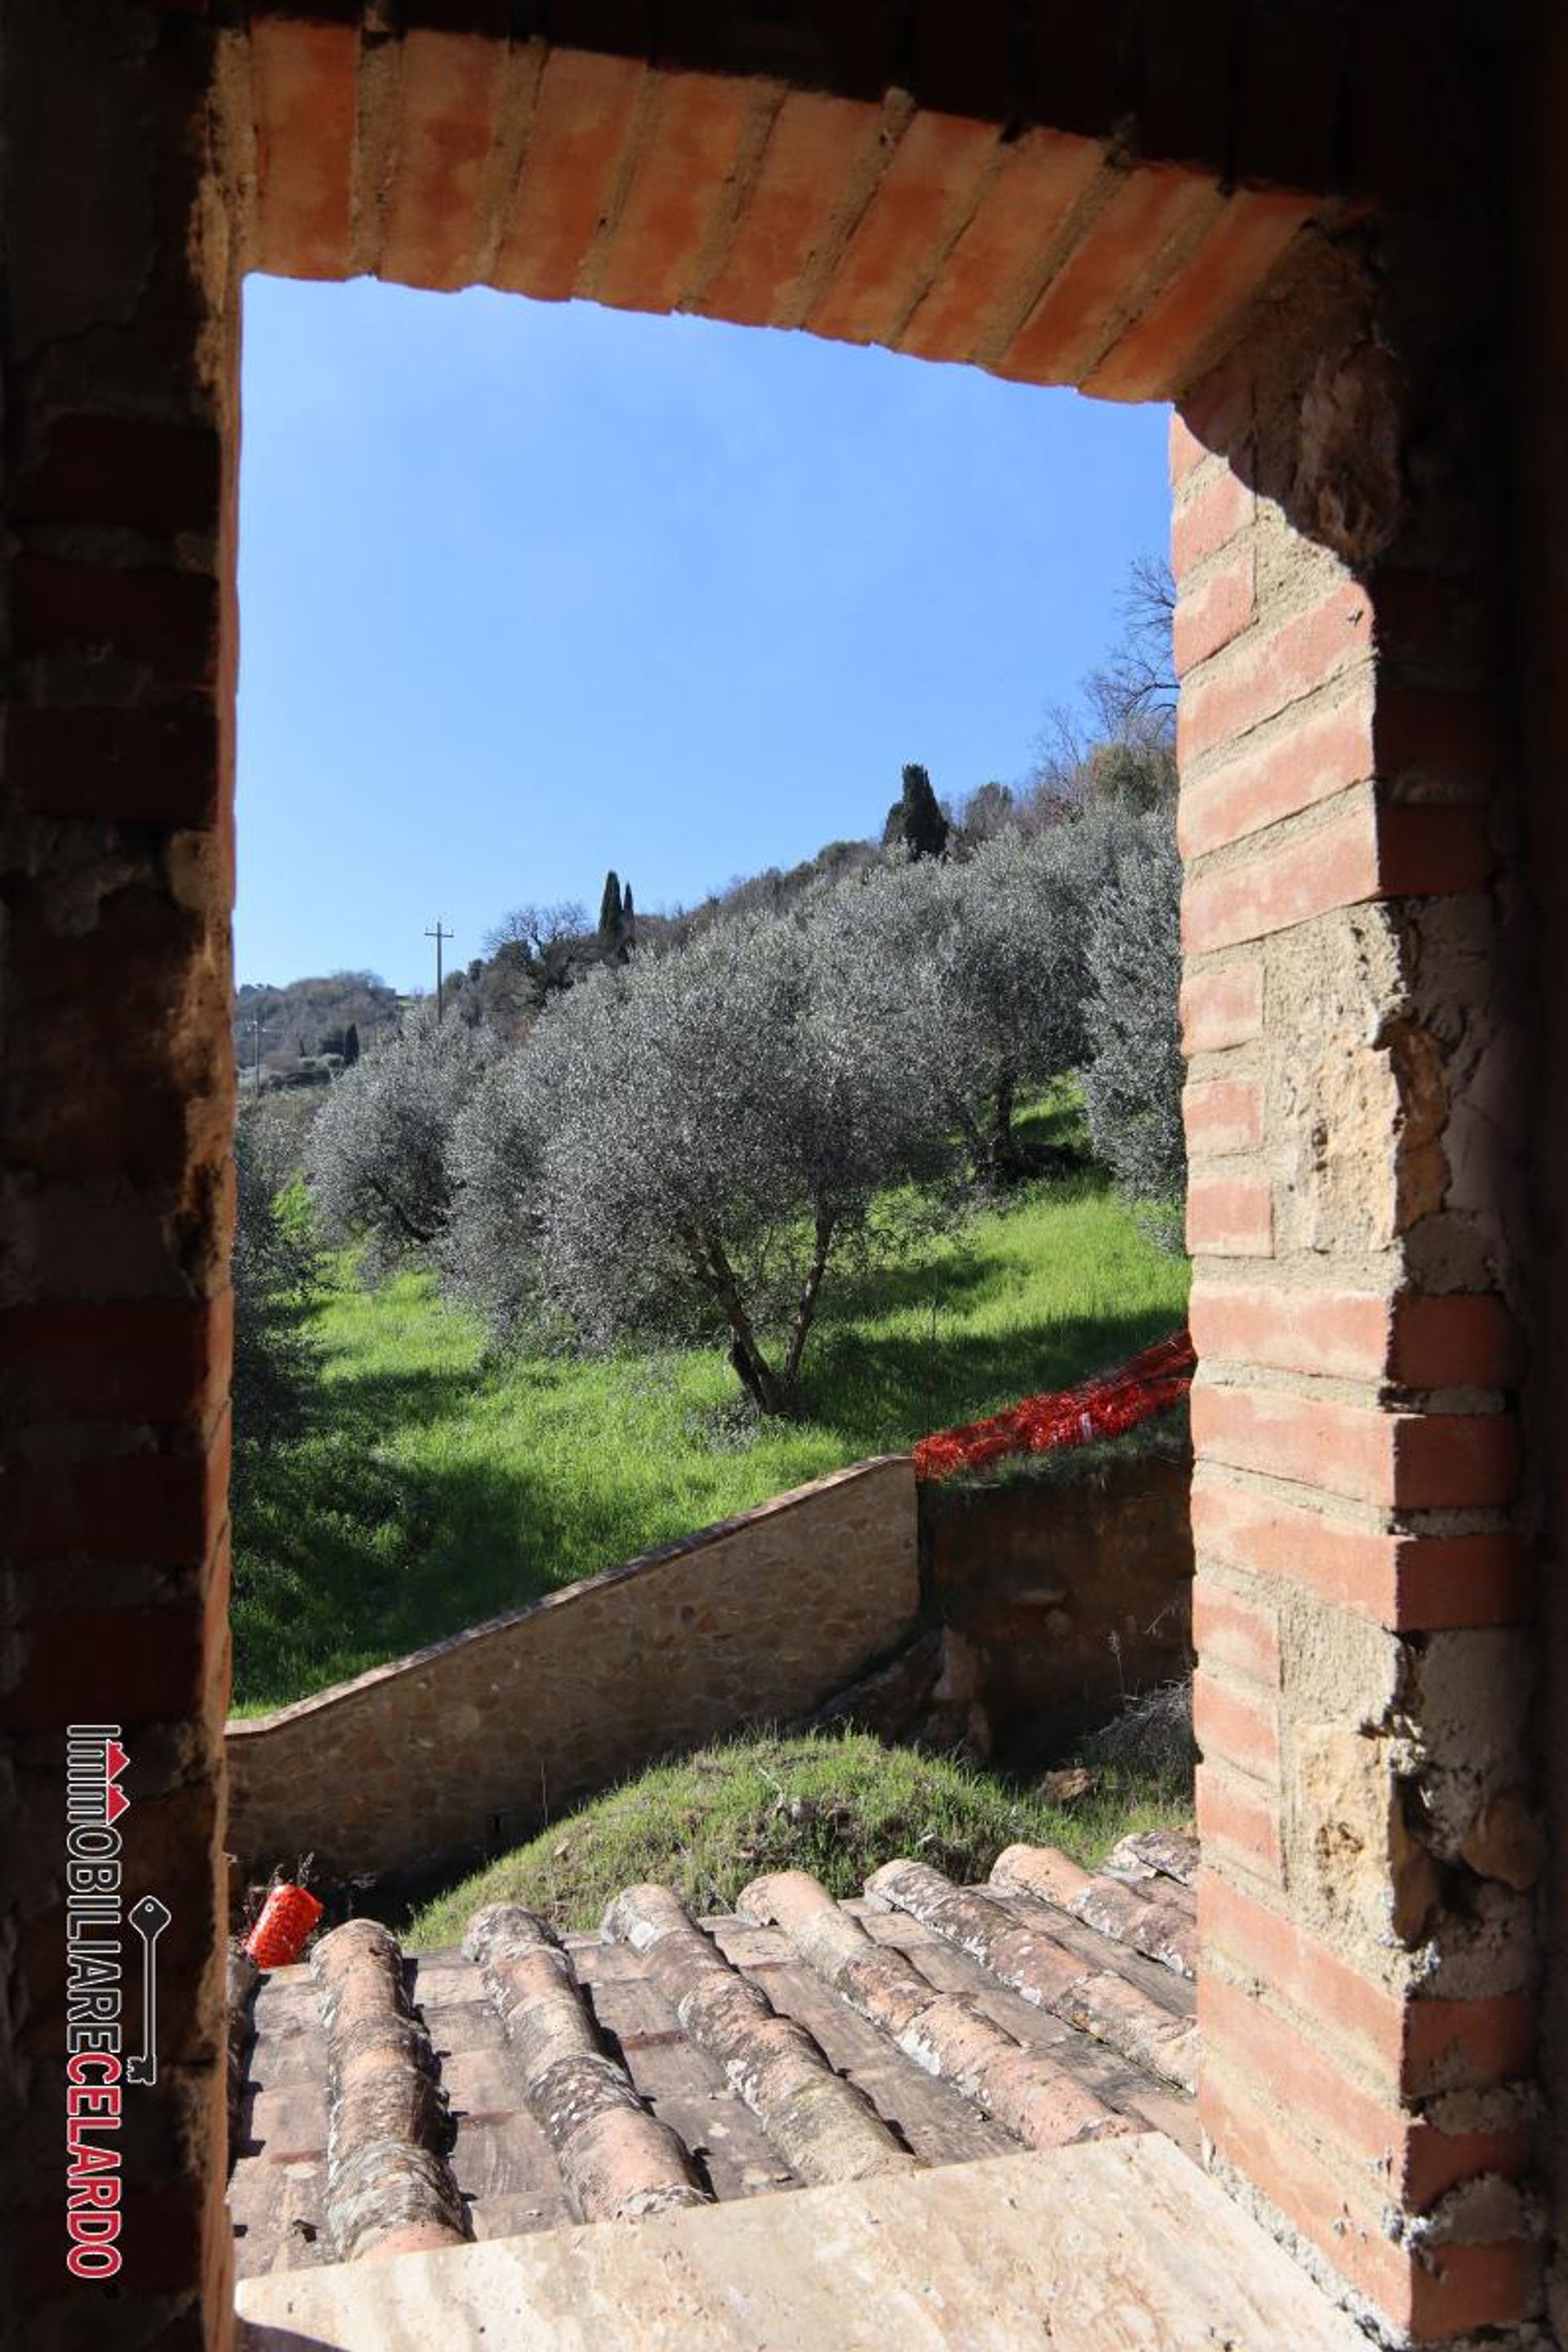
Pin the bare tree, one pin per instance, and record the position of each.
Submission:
(535, 929)
(1117, 743)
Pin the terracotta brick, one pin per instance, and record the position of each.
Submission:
(1470, 2045)
(675, 199)
(1186, 451)
(1335, 866)
(1209, 616)
(917, 208)
(146, 1359)
(1358, 853)
(1229, 1216)
(1464, 2288)
(1215, 512)
(1274, 669)
(1237, 1633)
(1323, 753)
(1455, 1340)
(1215, 417)
(1404, 1461)
(109, 1005)
(993, 269)
(1239, 1822)
(139, 472)
(1409, 1584)
(1460, 1339)
(1403, 2154)
(1123, 252)
(817, 148)
(1347, 1334)
(1221, 1008)
(166, 620)
(581, 120)
(1235, 1726)
(1418, 2048)
(160, 1508)
(1223, 1115)
(153, 763)
(121, 1666)
(450, 92)
(305, 79)
(1160, 347)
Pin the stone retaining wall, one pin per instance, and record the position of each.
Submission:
(1065, 1595)
(1050, 1599)
(479, 1742)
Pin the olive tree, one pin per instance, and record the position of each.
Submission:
(378, 1156)
(277, 1286)
(689, 1144)
(986, 959)
(1133, 1080)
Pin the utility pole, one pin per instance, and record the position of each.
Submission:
(438, 934)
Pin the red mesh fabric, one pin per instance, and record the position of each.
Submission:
(283, 1928)
(1102, 1407)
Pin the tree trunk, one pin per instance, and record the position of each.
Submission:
(805, 1313)
(752, 1367)
(1004, 1163)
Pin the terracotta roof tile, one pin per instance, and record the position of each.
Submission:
(530, 2081)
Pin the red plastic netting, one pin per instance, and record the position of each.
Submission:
(1102, 1407)
(283, 1929)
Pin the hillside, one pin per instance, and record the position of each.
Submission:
(283, 1026)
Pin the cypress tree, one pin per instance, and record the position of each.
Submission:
(610, 915)
(916, 817)
(351, 1045)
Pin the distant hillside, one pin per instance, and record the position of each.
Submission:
(309, 1018)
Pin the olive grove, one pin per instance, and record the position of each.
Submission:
(691, 1144)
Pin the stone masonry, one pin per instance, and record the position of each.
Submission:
(479, 1742)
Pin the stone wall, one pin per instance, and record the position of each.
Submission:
(479, 1742)
(1066, 1595)
(1001, 1617)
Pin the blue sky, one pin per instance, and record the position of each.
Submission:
(528, 591)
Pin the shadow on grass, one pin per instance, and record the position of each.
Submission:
(345, 1556)
(887, 1390)
(396, 1521)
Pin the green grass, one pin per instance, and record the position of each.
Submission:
(443, 1485)
(836, 1804)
